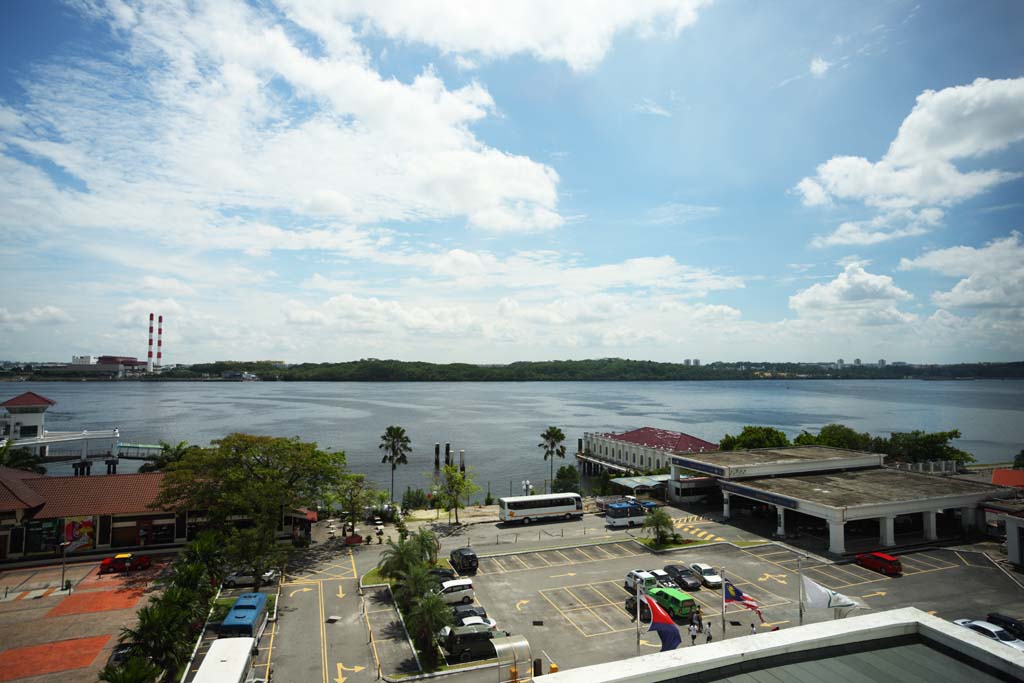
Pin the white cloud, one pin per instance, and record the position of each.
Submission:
(854, 296)
(167, 285)
(918, 170)
(819, 67)
(882, 228)
(578, 34)
(675, 213)
(40, 315)
(649, 106)
(992, 276)
(464, 63)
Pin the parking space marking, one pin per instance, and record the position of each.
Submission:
(532, 560)
(928, 561)
(967, 563)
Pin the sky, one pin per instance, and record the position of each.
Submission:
(487, 182)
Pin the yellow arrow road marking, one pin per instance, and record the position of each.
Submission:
(299, 590)
(558, 576)
(519, 605)
(778, 578)
(341, 593)
(644, 642)
(341, 667)
(769, 624)
(873, 595)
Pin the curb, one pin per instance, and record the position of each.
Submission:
(448, 672)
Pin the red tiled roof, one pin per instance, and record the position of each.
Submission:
(109, 494)
(1008, 478)
(15, 494)
(29, 399)
(677, 442)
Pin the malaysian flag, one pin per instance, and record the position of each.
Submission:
(734, 594)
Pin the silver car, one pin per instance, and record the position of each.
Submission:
(992, 631)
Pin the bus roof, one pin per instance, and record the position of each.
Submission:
(226, 657)
(623, 506)
(245, 610)
(539, 496)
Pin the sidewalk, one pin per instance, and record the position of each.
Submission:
(390, 645)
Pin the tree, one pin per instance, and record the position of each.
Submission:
(754, 437)
(255, 548)
(133, 670)
(567, 480)
(456, 488)
(836, 436)
(917, 446)
(398, 558)
(413, 584)
(20, 458)
(1018, 461)
(396, 447)
(168, 455)
(552, 441)
(352, 494)
(158, 636)
(428, 615)
(660, 524)
(428, 544)
(207, 551)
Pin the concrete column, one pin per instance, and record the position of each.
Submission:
(966, 518)
(888, 535)
(725, 505)
(781, 514)
(837, 537)
(930, 532)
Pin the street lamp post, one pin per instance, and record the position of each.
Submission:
(63, 561)
(527, 487)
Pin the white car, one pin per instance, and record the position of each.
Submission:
(480, 621)
(664, 580)
(639, 577)
(991, 631)
(457, 590)
(246, 578)
(707, 574)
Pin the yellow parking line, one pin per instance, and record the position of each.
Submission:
(323, 636)
(565, 557)
(565, 616)
(702, 534)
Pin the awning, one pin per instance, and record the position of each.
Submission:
(636, 483)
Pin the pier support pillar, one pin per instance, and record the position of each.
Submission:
(888, 531)
(966, 518)
(725, 506)
(780, 512)
(836, 537)
(930, 530)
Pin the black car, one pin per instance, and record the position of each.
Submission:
(1014, 626)
(464, 560)
(460, 612)
(442, 574)
(683, 576)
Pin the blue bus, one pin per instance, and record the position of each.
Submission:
(625, 514)
(247, 618)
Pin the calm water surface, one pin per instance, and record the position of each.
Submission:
(499, 424)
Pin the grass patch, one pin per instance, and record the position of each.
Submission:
(373, 576)
(221, 607)
(681, 543)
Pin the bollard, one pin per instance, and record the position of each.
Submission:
(513, 674)
(538, 667)
(553, 669)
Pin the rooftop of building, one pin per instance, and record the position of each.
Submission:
(676, 442)
(29, 399)
(1006, 477)
(868, 487)
(794, 454)
(56, 497)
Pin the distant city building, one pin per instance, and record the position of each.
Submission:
(899, 363)
(881, 362)
(82, 360)
(686, 362)
(840, 364)
(696, 362)
(856, 361)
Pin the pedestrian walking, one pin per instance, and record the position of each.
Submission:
(753, 628)
(700, 618)
(693, 634)
(708, 632)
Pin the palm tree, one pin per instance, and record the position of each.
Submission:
(168, 456)
(428, 616)
(207, 550)
(133, 670)
(660, 523)
(552, 442)
(20, 458)
(396, 447)
(428, 544)
(398, 558)
(160, 635)
(414, 583)
(190, 603)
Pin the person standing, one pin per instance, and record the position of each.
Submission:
(707, 631)
(753, 628)
(700, 618)
(693, 634)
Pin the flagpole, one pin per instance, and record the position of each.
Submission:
(723, 602)
(800, 573)
(638, 588)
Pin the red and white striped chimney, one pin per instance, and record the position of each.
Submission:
(149, 359)
(159, 342)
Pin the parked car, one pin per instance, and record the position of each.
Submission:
(684, 577)
(991, 631)
(1013, 625)
(464, 560)
(470, 642)
(120, 654)
(443, 574)
(880, 562)
(245, 577)
(639, 577)
(480, 621)
(663, 579)
(124, 562)
(459, 590)
(460, 612)
(678, 604)
(708, 575)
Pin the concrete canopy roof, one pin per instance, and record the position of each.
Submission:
(765, 456)
(871, 487)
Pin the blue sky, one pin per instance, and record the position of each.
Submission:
(494, 182)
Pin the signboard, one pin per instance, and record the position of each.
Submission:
(699, 466)
(762, 496)
(79, 533)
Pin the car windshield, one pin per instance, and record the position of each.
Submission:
(710, 571)
(1004, 636)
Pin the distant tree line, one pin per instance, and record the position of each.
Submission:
(602, 369)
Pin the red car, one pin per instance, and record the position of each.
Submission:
(880, 562)
(123, 562)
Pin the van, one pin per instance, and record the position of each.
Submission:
(471, 642)
(639, 577)
(880, 562)
(464, 560)
(678, 604)
(458, 590)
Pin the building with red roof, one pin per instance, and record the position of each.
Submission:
(1006, 477)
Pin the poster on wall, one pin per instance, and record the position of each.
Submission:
(79, 533)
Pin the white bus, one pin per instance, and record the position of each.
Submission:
(527, 509)
(229, 660)
(624, 514)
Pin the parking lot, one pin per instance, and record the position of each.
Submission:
(569, 602)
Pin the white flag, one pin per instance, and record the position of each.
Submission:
(816, 595)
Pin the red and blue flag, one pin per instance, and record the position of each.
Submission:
(734, 594)
(663, 624)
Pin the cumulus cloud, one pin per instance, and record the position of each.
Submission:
(40, 315)
(674, 213)
(856, 295)
(919, 171)
(167, 285)
(882, 228)
(819, 67)
(992, 276)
